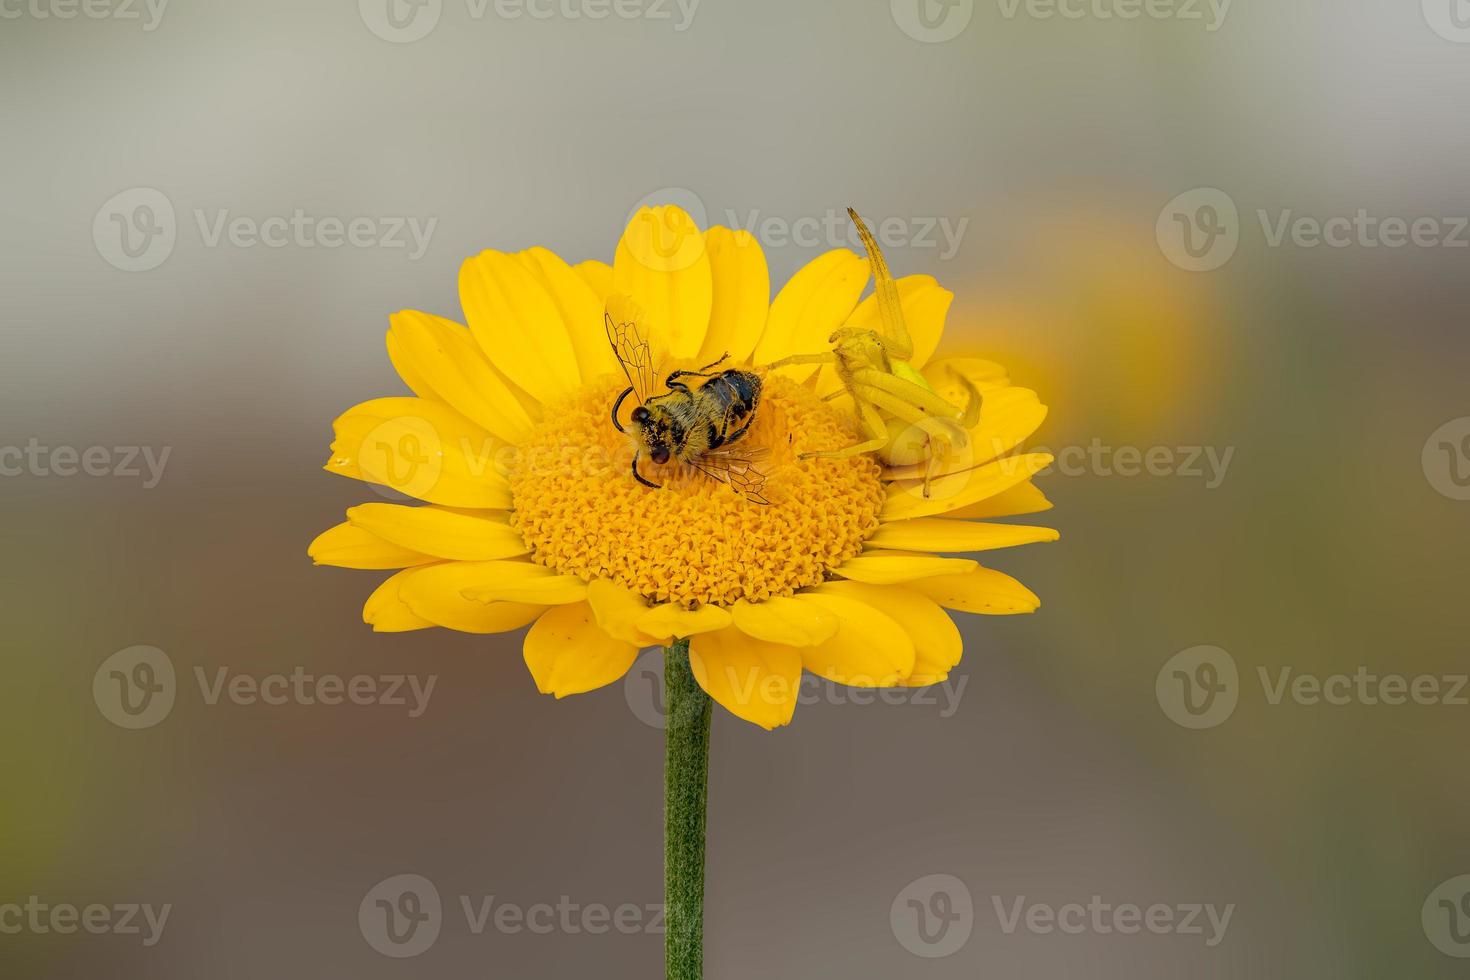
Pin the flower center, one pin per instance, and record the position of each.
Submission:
(578, 507)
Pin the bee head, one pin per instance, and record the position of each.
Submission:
(653, 434)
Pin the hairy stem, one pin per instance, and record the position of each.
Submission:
(686, 778)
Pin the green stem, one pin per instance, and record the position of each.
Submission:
(686, 778)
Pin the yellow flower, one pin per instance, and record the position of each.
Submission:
(530, 514)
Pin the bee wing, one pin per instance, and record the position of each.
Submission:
(628, 336)
(738, 469)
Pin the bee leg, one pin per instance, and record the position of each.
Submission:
(639, 476)
(673, 380)
(738, 433)
(617, 405)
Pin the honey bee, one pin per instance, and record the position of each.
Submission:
(698, 426)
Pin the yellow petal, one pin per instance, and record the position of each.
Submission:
(1024, 498)
(517, 581)
(869, 649)
(785, 620)
(442, 356)
(598, 276)
(351, 547)
(670, 621)
(405, 368)
(939, 534)
(817, 300)
(422, 448)
(983, 374)
(936, 639)
(925, 305)
(662, 264)
(887, 568)
(947, 493)
(385, 612)
(569, 654)
(983, 590)
(741, 285)
(439, 532)
(581, 311)
(433, 592)
(617, 610)
(517, 325)
(753, 680)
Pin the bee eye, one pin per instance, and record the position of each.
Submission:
(640, 415)
(659, 455)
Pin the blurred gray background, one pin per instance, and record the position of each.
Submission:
(1116, 201)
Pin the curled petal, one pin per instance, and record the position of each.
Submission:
(752, 679)
(434, 593)
(569, 654)
(347, 546)
(443, 533)
(936, 639)
(670, 621)
(940, 534)
(869, 648)
(983, 590)
(889, 567)
(785, 620)
(386, 612)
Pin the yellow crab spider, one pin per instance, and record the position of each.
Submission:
(904, 418)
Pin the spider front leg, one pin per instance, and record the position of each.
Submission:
(872, 424)
(826, 357)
